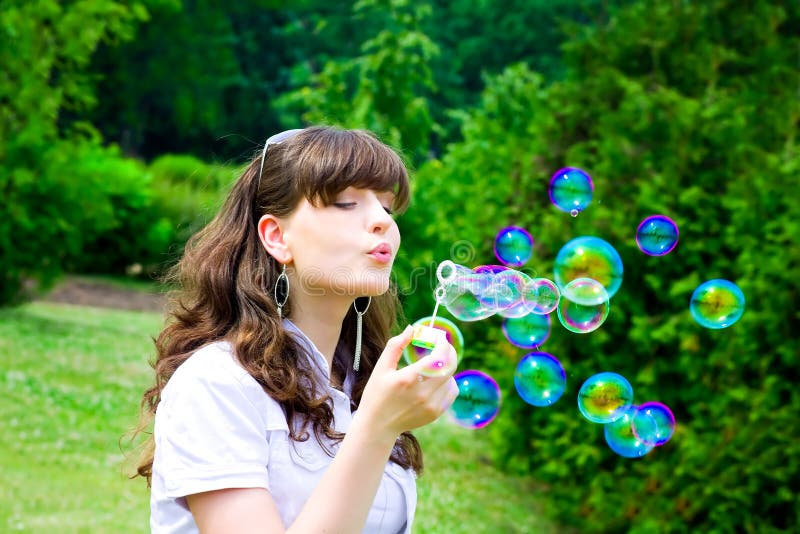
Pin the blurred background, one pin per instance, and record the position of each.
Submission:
(123, 125)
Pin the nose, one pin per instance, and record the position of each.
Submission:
(380, 221)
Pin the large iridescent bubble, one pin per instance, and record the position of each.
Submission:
(513, 246)
(657, 235)
(620, 437)
(589, 257)
(653, 423)
(540, 379)
(527, 332)
(584, 306)
(478, 400)
(571, 190)
(717, 304)
(604, 397)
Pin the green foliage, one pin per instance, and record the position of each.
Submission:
(45, 48)
(210, 68)
(384, 88)
(183, 168)
(174, 81)
(186, 194)
(480, 38)
(149, 212)
(685, 109)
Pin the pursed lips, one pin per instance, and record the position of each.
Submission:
(382, 253)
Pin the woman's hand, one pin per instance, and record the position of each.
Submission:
(396, 400)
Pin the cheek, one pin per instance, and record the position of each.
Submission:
(394, 235)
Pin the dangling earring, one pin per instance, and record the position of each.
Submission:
(281, 291)
(359, 315)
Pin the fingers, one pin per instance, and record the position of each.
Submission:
(443, 395)
(394, 350)
(448, 393)
(440, 362)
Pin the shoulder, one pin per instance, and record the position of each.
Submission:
(213, 375)
(212, 365)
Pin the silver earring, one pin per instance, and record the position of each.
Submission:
(359, 315)
(281, 290)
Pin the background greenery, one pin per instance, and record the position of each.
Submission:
(122, 124)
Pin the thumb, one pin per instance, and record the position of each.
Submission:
(394, 350)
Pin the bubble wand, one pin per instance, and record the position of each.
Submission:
(425, 337)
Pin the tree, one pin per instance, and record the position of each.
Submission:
(45, 47)
(384, 89)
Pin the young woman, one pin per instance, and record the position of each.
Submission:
(278, 403)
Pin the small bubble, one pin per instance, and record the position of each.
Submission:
(478, 400)
(513, 246)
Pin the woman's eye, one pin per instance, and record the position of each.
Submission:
(344, 205)
(388, 210)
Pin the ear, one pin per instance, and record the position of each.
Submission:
(271, 233)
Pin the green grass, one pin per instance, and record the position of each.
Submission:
(71, 379)
(461, 492)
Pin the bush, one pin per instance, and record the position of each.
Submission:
(188, 192)
(131, 230)
(155, 209)
(61, 199)
(703, 147)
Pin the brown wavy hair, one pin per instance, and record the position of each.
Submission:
(225, 282)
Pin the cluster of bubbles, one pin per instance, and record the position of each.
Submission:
(587, 273)
(475, 294)
(630, 430)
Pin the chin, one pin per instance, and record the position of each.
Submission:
(375, 286)
(368, 285)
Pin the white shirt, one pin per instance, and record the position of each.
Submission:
(216, 428)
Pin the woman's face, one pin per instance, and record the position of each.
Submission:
(346, 248)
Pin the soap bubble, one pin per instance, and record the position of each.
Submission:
(653, 423)
(459, 286)
(620, 437)
(583, 306)
(540, 379)
(504, 291)
(527, 332)
(571, 190)
(604, 397)
(478, 400)
(657, 235)
(513, 246)
(413, 352)
(717, 304)
(589, 257)
(541, 296)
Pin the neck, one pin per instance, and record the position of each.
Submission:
(320, 318)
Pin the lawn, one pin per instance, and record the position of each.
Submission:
(71, 378)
